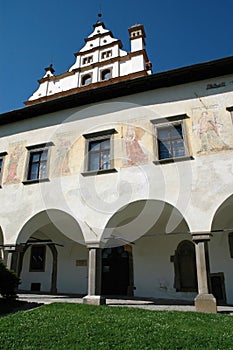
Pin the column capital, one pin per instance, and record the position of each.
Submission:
(12, 248)
(201, 236)
(91, 245)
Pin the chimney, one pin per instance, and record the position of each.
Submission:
(137, 37)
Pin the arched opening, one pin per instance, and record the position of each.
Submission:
(86, 79)
(152, 229)
(52, 256)
(106, 74)
(221, 252)
(223, 218)
(185, 267)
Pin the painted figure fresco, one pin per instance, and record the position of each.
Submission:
(209, 127)
(61, 166)
(134, 151)
(12, 169)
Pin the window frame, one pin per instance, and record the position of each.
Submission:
(87, 60)
(102, 71)
(31, 269)
(2, 158)
(32, 150)
(106, 54)
(99, 136)
(168, 122)
(86, 75)
(230, 109)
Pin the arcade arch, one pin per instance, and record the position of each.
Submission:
(51, 254)
(150, 230)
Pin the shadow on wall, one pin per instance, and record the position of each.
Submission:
(61, 115)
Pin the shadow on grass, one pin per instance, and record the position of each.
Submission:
(11, 306)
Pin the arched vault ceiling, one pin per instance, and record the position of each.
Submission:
(144, 217)
(55, 224)
(223, 217)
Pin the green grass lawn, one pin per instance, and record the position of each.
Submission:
(73, 326)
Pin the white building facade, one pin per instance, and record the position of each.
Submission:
(116, 181)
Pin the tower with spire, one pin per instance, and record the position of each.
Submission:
(101, 61)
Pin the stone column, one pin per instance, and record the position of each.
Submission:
(8, 251)
(17, 258)
(94, 277)
(205, 301)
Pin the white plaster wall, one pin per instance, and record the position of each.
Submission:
(136, 44)
(125, 67)
(196, 188)
(153, 271)
(28, 277)
(137, 63)
(72, 278)
(68, 82)
(139, 109)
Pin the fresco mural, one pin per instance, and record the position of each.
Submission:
(16, 151)
(134, 149)
(61, 164)
(209, 127)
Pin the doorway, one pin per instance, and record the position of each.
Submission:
(185, 267)
(116, 271)
(218, 287)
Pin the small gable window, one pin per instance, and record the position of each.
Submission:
(88, 59)
(106, 54)
(86, 79)
(106, 74)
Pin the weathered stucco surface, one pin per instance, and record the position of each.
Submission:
(179, 198)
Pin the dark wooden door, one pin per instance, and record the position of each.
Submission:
(115, 271)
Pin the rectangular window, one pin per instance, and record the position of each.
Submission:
(37, 259)
(99, 157)
(106, 54)
(170, 139)
(88, 59)
(37, 168)
(37, 165)
(2, 157)
(99, 151)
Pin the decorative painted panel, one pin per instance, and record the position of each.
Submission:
(211, 130)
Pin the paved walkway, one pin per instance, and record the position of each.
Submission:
(156, 304)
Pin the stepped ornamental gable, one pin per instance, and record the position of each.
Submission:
(101, 61)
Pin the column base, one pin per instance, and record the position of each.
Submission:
(206, 303)
(94, 300)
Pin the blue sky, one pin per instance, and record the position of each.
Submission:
(35, 33)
